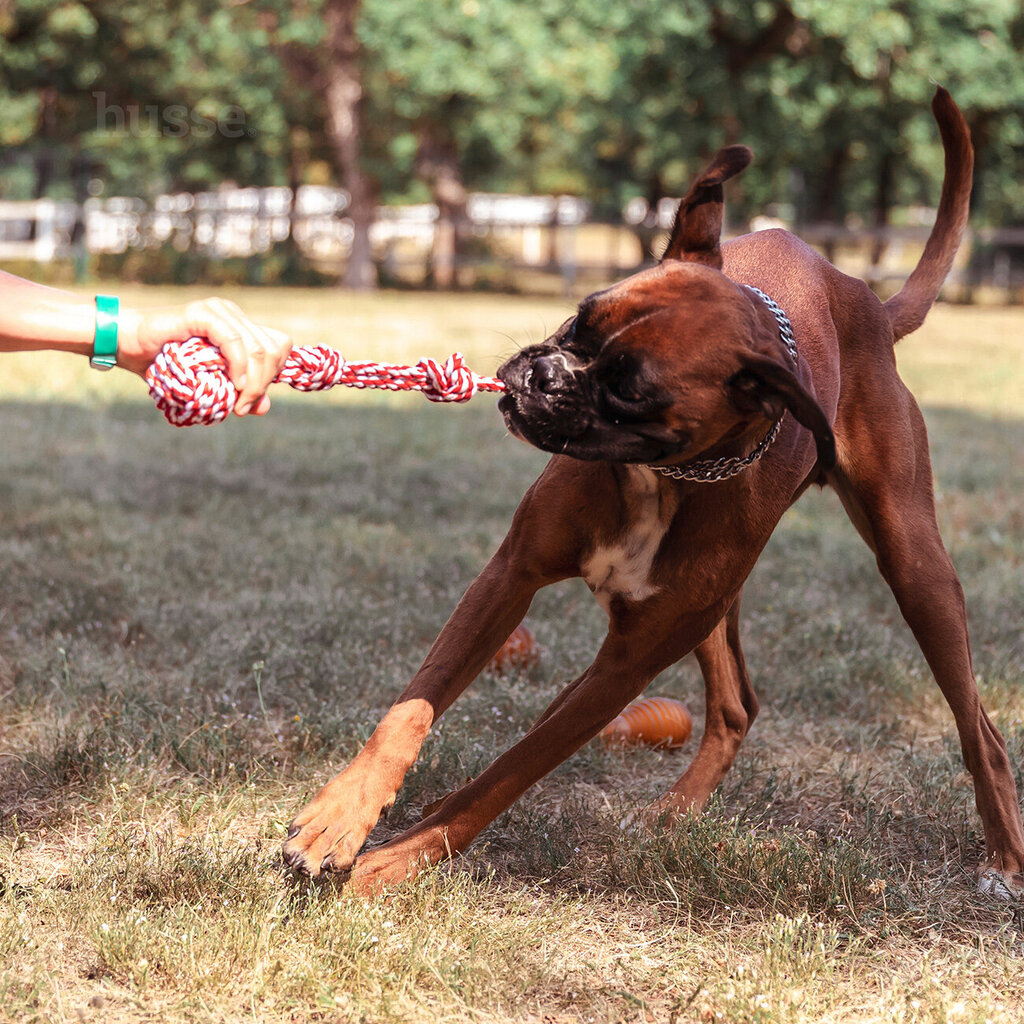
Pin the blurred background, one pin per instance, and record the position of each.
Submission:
(520, 145)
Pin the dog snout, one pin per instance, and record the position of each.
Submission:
(513, 372)
(546, 375)
(542, 375)
(550, 375)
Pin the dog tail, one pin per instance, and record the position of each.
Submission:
(909, 306)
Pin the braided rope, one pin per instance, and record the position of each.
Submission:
(188, 380)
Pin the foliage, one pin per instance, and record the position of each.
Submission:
(603, 100)
(149, 95)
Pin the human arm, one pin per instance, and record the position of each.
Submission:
(34, 317)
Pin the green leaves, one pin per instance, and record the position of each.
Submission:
(607, 100)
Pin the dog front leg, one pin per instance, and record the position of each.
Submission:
(730, 709)
(627, 662)
(328, 833)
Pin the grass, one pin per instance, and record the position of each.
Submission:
(196, 627)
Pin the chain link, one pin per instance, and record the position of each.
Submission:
(711, 471)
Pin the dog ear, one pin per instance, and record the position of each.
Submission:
(698, 224)
(766, 386)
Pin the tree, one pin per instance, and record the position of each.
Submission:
(833, 98)
(317, 46)
(468, 94)
(407, 101)
(344, 99)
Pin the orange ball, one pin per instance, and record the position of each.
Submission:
(519, 651)
(655, 721)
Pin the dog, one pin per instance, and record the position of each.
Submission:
(686, 408)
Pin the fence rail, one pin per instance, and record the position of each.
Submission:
(554, 235)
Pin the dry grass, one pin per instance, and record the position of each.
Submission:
(195, 627)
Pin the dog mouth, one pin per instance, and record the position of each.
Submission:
(541, 430)
(571, 425)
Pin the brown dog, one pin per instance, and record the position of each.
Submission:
(664, 400)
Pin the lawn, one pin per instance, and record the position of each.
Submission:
(197, 627)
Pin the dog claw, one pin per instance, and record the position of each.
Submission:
(293, 831)
(293, 859)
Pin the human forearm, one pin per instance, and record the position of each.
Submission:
(34, 317)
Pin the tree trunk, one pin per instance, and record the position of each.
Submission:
(647, 231)
(45, 160)
(885, 174)
(882, 206)
(826, 204)
(344, 95)
(437, 163)
(981, 137)
(298, 158)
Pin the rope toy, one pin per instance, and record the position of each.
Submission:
(188, 380)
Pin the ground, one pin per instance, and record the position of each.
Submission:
(197, 627)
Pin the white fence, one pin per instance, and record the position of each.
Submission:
(523, 232)
(38, 230)
(250, 221)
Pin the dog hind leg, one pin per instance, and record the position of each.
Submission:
(887, 490)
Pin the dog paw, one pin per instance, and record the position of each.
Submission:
(376, 871)
(394, 863)
(327, 834)
(670, 807)
(994, 883)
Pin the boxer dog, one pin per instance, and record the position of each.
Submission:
(687, 408)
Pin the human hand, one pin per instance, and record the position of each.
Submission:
(254, 353)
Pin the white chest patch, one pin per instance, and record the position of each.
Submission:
(623, 569)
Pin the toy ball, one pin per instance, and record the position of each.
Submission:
(655, 721)
(519, 651)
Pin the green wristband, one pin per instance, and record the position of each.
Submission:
(104, 346)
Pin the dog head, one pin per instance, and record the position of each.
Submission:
(667, 364)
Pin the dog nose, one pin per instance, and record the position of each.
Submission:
(547, 375)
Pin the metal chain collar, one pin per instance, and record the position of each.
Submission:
(710, 471)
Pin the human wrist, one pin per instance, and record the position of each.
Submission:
(130, 354)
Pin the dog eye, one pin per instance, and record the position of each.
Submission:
(619, 379)
(620, 402)
(565, 332)
(623, 390)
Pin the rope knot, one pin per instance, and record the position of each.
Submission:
(313, 368)
(450, 381)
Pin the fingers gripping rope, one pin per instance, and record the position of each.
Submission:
(190, 385)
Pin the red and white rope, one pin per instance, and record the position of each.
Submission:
(190, 385)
